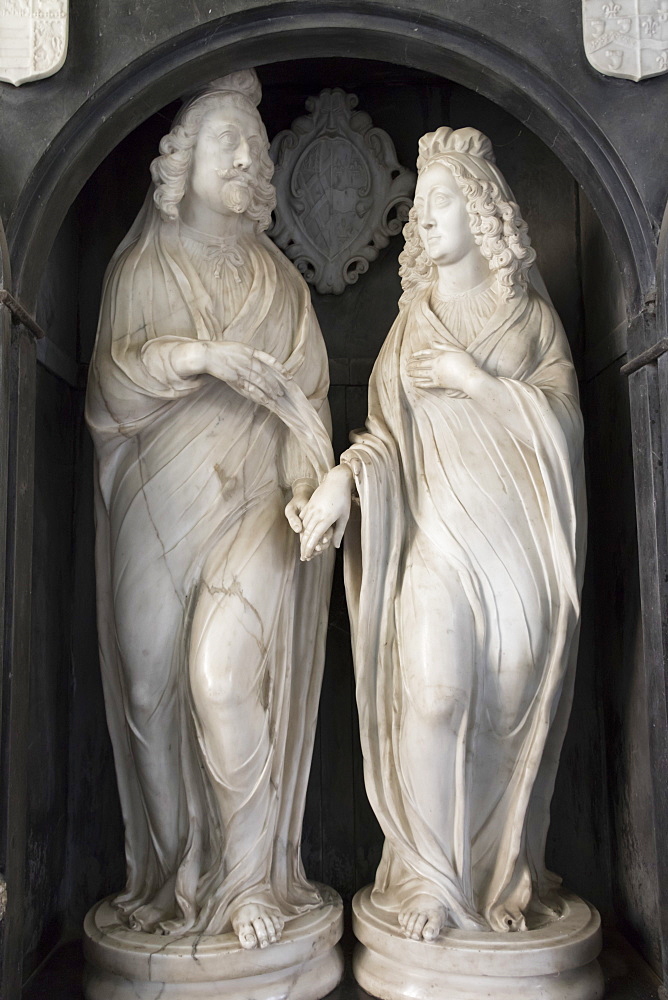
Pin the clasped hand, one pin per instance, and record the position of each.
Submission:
(441, 368)
(322, 520)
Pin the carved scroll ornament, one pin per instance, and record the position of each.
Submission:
(340, 189)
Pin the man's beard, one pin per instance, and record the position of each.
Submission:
(237, 192)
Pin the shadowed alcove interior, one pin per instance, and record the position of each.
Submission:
(597, 838)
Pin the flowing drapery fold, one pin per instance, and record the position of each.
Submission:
(191, 481)
(489, 506)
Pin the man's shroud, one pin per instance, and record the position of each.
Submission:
(187, 469)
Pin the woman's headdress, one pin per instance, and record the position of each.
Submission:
(467, 146)
(445, 141)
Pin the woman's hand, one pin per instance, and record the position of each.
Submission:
(328, 508)
(302, 491)
(442, 368)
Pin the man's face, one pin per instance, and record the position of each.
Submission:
(225, 159)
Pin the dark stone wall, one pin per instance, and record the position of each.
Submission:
(47, 772)
(612, 598)
(50, 675)
(601, 838)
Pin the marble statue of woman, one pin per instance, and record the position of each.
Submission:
(207, 405)
(464, 560)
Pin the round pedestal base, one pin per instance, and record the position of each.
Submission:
(556, 961)
(121, 964)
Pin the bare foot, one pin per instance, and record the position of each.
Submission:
(422, 918)
(257, 926)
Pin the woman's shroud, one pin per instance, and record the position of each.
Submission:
(497, 511)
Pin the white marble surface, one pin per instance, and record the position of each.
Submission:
(33, 39)
(626, 38)
(207, 403)
(464, 560)
(122, 964)
(551, 960)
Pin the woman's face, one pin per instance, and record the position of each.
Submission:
(443, 222)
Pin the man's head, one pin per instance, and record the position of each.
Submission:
(218, 152)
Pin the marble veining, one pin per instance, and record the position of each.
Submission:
(207, 404)
(464, 555)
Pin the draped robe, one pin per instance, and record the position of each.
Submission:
(494, 509)
(192, 478)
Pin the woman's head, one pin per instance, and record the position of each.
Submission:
(458, 183)
(196, 151)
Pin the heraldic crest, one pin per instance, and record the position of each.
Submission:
(33, 39)
(341, 193)
(626, 38)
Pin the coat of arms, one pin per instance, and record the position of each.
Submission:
(341, 194)
(626, 38)
(33, 39)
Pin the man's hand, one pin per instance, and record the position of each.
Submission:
(252, 373)
(442, 368)
(301, 494)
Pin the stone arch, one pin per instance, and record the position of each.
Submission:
(280, 33)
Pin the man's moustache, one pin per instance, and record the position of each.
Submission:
(234, 175)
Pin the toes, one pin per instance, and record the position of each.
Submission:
(261, 931)
(420, 926)
(247, 936)
(431, 929)
(273, 928)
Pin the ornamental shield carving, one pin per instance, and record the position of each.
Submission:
(33, 39)
(341, 194)
(626, 38)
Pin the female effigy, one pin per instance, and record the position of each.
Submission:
(464, 563)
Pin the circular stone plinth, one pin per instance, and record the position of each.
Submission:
(556, 961)
(122, 964)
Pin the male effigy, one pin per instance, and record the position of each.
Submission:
(207, 406)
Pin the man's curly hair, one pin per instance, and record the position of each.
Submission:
(170, 170)
(496, 222)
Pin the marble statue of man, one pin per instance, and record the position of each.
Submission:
(207, 405)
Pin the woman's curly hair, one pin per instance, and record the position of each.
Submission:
(496, 222)
(170, 170)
